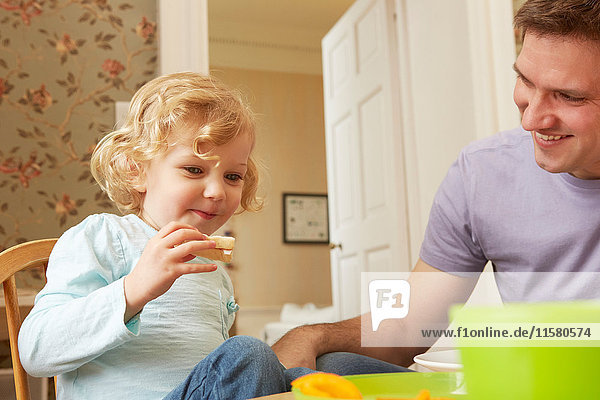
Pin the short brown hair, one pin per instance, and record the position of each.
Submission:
(158, 107)
(575, 18)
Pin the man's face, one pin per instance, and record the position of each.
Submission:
(558, 94)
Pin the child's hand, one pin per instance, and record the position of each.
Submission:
(162, 262)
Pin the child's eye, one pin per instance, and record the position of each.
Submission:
(193, 170)
(234, 177)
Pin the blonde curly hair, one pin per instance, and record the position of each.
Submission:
(164, 103)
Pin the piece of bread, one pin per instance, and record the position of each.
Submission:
(223, 251)
(223, 242)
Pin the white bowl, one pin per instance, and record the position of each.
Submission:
(440, 361)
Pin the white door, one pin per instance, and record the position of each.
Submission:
(365, 166)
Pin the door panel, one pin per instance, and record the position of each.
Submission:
(366, 35)
(372, 140)
(342, 152)
(366, 186)
(349, 284)
(339, 62)
(379, 260)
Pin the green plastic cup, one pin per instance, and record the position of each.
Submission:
(547, 353)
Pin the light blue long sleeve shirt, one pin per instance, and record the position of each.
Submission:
(76, 328)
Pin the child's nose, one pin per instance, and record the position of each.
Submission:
(214, 189)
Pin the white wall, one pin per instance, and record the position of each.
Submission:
(454, 89)
(457, 88)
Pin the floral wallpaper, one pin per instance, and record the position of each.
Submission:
(63, 64)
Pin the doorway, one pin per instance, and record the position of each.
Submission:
(271, 51)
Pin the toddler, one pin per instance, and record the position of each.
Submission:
(128, 311)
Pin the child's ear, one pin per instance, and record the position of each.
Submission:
(140, 187)
(137, 176)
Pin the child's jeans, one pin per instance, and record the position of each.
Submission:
(244, 367)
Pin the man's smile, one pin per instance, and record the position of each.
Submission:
(548, 141)
(549, 138)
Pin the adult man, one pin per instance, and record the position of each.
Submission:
(526, 200)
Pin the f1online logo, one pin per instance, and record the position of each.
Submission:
(388, 299)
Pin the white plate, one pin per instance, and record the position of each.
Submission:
(440, 361)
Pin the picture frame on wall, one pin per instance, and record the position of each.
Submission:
(305, 218)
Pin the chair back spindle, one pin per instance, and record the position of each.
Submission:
(12, 260)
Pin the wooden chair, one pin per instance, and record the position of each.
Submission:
(12, 260)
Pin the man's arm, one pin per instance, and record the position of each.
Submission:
(431, 296)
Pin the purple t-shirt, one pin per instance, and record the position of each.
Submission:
(496, 204)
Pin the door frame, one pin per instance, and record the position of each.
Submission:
(183, 36)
